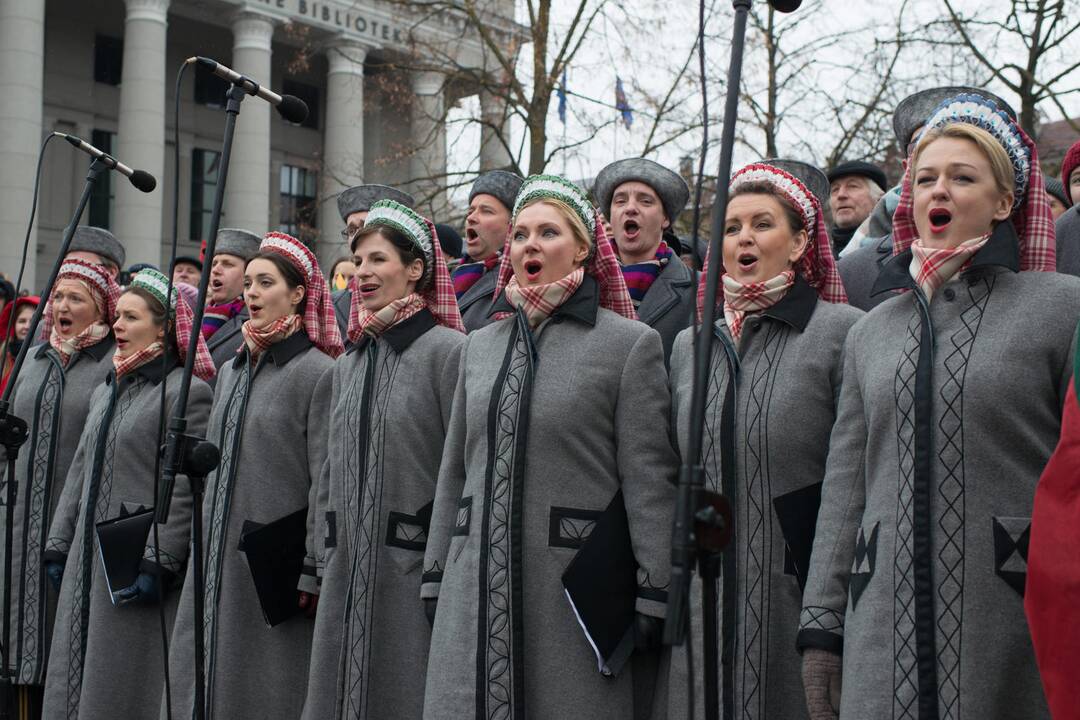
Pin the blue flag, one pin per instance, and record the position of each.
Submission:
(621, 104)
(561, 92)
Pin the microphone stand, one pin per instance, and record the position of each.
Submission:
(702, 526)
(187, 454)
(14, 432)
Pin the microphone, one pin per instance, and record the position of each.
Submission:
(139, 178)
(289, 107)
(785, 6)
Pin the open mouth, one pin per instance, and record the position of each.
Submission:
(533, 268)
(64, 324)
(631, 229)
(471, 235)
(747, 261)
(939, 219)
(368, 288)
(254, 309)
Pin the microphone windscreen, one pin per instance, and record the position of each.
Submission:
(143, 180)
(785, 6)
(293, 109)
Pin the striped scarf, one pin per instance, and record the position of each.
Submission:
(377, 322)
(539, 301)
(640, 276)
(933, 267)
(468, 274)
(740, 299)
(214, 316)
(259, 340)
(124, 365)
(92, 335)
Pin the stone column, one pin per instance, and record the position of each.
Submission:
(248, 186)
(22, 63)
(343, 139)
(140, 132)
(495, 131)
(427, 167)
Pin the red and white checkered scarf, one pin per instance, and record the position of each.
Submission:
(92, 335)
(259, 340)
(933, 267)
(740, 299)
(539, 301)
(134, 361)
(375, 323)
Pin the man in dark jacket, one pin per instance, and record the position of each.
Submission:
(854, 189)
(641, 199)
(225, 310)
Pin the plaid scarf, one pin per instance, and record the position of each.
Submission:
(740, 299)
(138, 358)
(259, 340)
(539, 301)
(933, 267)
(466, 275)
(65, 348)
(640, 276)
(214, 316)
(377, 322)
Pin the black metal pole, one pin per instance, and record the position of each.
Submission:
(13, 431)
(691, 478)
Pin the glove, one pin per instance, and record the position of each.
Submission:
(429, 609)
(648, 632)
(143, 592)
(309, 603)
(822, 671)
(55, 573)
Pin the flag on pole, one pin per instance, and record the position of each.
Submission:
(622, 105)
(561, 92)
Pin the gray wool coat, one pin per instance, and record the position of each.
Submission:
(475, 303)
(1067, 230)
(226, 340)
(785, 376)
(271, 425)
(943, 429)
(671, 302)
(537, 449)
(53, 400)
(391, 408)
(860, 270)
(106, 660)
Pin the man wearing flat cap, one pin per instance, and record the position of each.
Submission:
(491, 201)
(871, 244)
(225, 310)
(353, 204)
(641, 199)
(97, 246)
(854, 189)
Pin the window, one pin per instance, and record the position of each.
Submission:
(204, 180)
(209, 88)
(101, 199)
(298, 209)
(310, 95)
(108, 59)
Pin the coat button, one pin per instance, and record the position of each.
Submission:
(755, 324)
(950, 294)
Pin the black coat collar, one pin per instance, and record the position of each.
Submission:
(796, 307)
(281, 352)
(582, 306)
(404, 334)
(1002, 249)
(152, 371)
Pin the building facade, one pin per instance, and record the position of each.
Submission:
(377, 77)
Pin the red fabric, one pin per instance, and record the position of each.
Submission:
(378, 322)
(183, 326)
(96, 280)
(1032, 218)
(1052, 594)
(740, 299)
(539, 301)
(6, 316)
(817, 264)
(134, 361)
(603, 267)
(259, 341)
(1070, 163)
(320, 323)
(933, 267)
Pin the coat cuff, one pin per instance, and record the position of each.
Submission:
(430, 582)
(821, 628)
(310, 577)
(171, 567)
(56, 550)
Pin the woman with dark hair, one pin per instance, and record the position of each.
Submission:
(560, 420)
(106, 658)
(778, 350)
(950, 408)
(52, 394)
(270, 425)
(392, 393)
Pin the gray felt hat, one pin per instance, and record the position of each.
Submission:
(234, 241)
(668, 185)
(810, 176)
(99, 241)
(1055, 188)
(914, 110)
(362, 197)
(502, 185)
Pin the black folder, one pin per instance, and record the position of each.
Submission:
(797, 512)
(121, 542)
(275, 554)
(601, 584)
